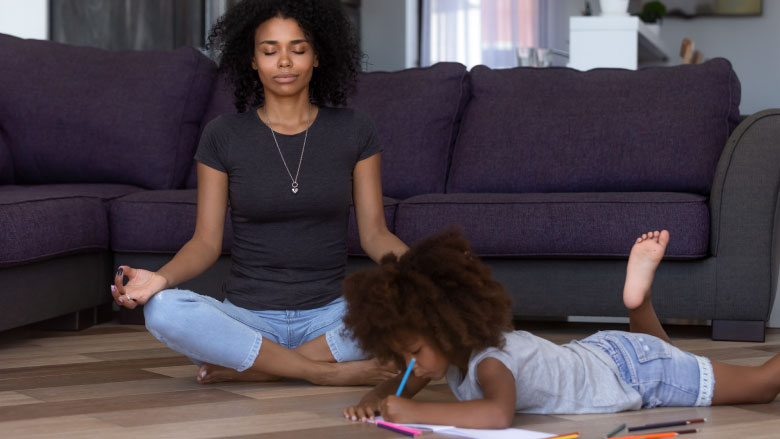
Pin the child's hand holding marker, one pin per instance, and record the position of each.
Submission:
(398, 409)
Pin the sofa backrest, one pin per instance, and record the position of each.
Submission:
(78, 114)
(532, 130)
(6, 164)
(416, 114)
(221, 102)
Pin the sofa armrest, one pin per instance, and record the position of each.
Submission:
(744, 208)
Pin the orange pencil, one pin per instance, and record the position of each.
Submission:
(574, 435)
(659, 435)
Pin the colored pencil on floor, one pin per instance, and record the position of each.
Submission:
(659, 435)
(667, 424)
(617, 430)
(573, 435)
(406, 431)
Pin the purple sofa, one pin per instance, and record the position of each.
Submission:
(552, 173)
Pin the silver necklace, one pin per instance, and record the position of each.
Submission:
(284, 162)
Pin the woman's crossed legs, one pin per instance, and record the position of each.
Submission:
(233, 343)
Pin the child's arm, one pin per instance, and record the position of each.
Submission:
(369, 404)
(495, 410)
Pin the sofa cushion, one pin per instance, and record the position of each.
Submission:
(158, 222)
(562, 130)
(416, 113)
(41, 222)
(80, 114)
(353, 238)
(6, 164)
(560, 224)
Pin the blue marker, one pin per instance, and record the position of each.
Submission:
(406, 376)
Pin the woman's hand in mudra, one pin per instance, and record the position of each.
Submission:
(140, 287)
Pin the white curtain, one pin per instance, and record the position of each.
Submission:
(487, 32)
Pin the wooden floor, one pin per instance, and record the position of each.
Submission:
(114, 381)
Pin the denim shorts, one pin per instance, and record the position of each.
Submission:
(210, 331)
(663, 374)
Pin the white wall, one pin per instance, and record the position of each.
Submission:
(752, 44)
(388, 34)
(25, 18)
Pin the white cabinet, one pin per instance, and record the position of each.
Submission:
(622, 42)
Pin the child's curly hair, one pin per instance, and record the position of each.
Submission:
(332, 36)
(439, 290)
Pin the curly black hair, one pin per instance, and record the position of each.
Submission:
(332, 36)
(439, 290)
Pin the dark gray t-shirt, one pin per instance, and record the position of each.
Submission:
(289, 249)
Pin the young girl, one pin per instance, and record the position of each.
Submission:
(289, 163)
(439, 305)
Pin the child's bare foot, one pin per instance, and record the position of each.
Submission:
(211, 373)
(645, 256)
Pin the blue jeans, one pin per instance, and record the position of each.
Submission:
(210, 331)
(663, 374)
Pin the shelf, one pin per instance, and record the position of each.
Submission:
(621, 42)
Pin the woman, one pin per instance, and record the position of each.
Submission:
(288, 165)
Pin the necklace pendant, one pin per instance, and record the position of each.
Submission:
(295, 190)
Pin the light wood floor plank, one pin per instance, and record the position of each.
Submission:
(184, 371)
(47, 359)
(16, 398)
(114, 389)
(121, 404)
(55, 426)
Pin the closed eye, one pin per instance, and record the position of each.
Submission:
(274, 53)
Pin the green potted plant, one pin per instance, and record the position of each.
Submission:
(652, 14)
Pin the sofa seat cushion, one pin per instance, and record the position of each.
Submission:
(416, 113)
(81, 114)
(157, 222)
(659, 129)
(353, 238)
(42, 222)
(560, 224)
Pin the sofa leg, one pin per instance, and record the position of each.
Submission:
(104, 313)
(75, 321)
(132, 316)
(738, 330)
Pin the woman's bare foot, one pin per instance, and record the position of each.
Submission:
(351, 373)
(645, 256)
(211, 373)
(357, 373)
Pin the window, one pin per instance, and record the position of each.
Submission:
(489, 32)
